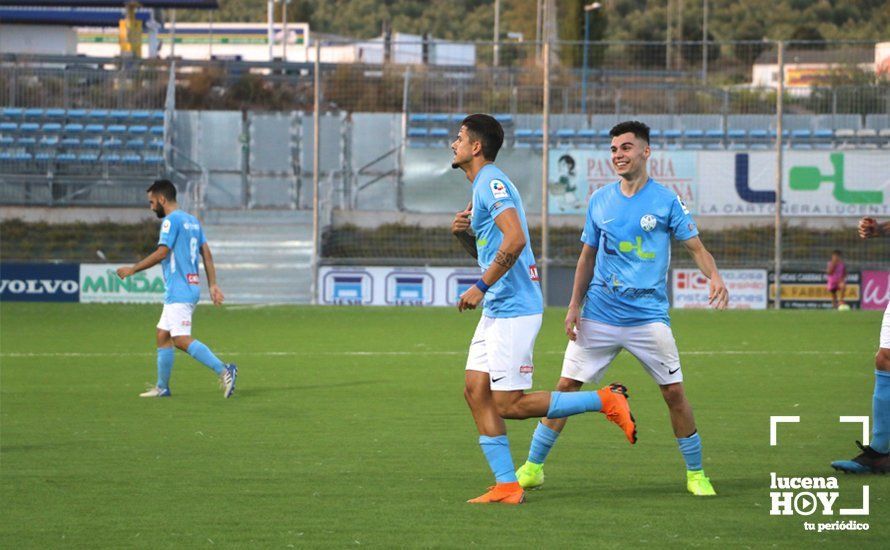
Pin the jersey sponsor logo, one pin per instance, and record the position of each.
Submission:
(499, 190)
(533, 273)
(165, 226)
(526, 369)
(683, 205)
(193, 279)
(627, 246)
(648, 222)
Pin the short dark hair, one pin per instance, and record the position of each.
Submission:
(489, 131)
(838, 252)
(635, 127)
(568, 160)
(164, 188)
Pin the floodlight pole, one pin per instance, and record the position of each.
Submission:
(316, 241)
(704, 42)
(587, 9)
(780, 92)
(284, 30)
(270, 32)
(497, 32)
(545, 165)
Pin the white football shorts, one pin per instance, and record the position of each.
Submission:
(177, 319)
(503, 348)
(885, 329)
(588, 357)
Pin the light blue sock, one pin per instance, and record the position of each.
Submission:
(542, 442)
(165, 365)
(203, 354)
(564, 404)
(880, 405)
(691, 449)
(497, 452)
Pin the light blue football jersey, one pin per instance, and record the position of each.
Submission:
(518, 292)
(632, 236)
(182, 234)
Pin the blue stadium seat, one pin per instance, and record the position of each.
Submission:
(8, 126)
(565, 134)
(29, 127)
(418, 118)
(26, 141)
(417, 132)
(52, 128)
(94, 129)
(13, 112)
(131, 158)
(22, 156)
(55, 113)
(504, 118)
(6, 155)
(76, 114)
(112, 143)
(116, 129)
(586, 136)
(88, 157)
(136, 144)
(457, 118)
(73, 128)
(48, 141)
(156, 144)
(34, 113)
(99, 114)
(44, 156)
(823, 139)
(157, 130)
(119, 114)
(714, 139)
(141, 116)
(137, 129)
(157, 116)
(438, 133)
(66, 157)
(153, 159)
(7, 140)
(523, 137)
(70, 142)
(92, 142)
(439, 118)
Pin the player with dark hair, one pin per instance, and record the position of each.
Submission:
(499, 366)
(619, 298)
(180, 243)
(875, 458)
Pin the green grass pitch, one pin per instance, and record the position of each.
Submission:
(349, 428)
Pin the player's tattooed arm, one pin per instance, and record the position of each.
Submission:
(505, 259)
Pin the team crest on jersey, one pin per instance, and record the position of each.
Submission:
(526, 369)
(499, 189)
(533, 273)
(165, 226)
(193, 279)
(648, 222)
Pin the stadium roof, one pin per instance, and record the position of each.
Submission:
(83, 17)
(183, 4)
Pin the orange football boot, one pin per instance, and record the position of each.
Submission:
(616, 409)
(505, 493)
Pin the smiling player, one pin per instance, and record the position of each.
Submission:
(621, 281)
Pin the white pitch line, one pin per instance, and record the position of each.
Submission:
(392, 353)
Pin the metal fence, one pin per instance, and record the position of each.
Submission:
(364, 145)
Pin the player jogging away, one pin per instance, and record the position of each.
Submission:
(180, 243)
(875, 458)
(621, 282)
(499, 364)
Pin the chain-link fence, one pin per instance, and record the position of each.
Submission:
(377, 167)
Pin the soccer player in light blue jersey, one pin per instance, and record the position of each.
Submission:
(875, 458)
(179, 246)
(620, 281)
(499, 366)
